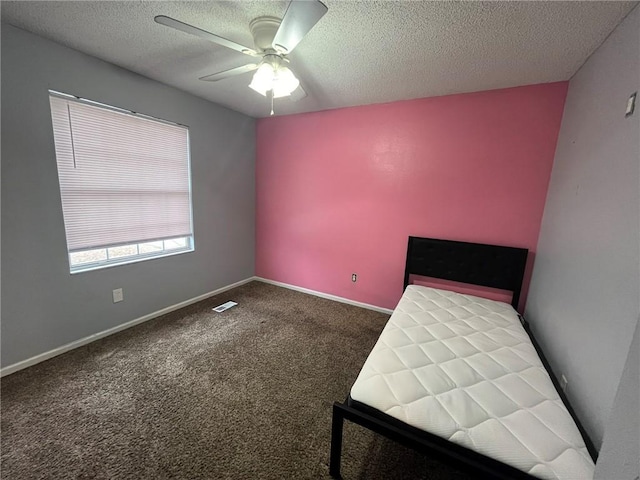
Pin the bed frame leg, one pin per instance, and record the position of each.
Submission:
(336, 441)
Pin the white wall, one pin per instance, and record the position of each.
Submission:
(584, 298)
(43, 306)
(620, 454)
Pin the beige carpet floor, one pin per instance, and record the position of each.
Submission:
(195, 394)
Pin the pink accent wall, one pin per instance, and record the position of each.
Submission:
(340, 191)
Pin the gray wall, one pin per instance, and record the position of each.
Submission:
(583, 302)
(620, 453)
(43, 306)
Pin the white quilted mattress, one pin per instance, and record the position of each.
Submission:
(463, 368)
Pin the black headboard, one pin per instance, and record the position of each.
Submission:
(473, 263)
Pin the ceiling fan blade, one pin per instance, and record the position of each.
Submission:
(214, 77)
(298, 94)
(190, 29)
(300, 17)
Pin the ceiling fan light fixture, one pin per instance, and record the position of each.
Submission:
(278, 78)
(284, 82)
(263, 79)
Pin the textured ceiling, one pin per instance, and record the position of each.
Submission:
(360, 52)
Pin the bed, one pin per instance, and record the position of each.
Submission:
(459, 377)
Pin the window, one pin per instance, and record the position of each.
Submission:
(124, 183)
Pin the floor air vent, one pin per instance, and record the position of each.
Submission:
(224, 306)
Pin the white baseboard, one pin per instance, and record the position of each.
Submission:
(325, 295)
(92, 338)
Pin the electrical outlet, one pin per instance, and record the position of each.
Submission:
(118, 295)
(354, 277)
(563, 383)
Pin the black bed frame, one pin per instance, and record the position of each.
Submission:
(473, 263)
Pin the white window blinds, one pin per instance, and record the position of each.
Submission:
(124, 178)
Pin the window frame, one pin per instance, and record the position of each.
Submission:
(80, 267)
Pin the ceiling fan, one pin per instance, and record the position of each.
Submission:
(274, 40)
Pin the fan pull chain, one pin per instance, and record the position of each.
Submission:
(271, 95)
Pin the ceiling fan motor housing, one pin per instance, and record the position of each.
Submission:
(263, 30)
